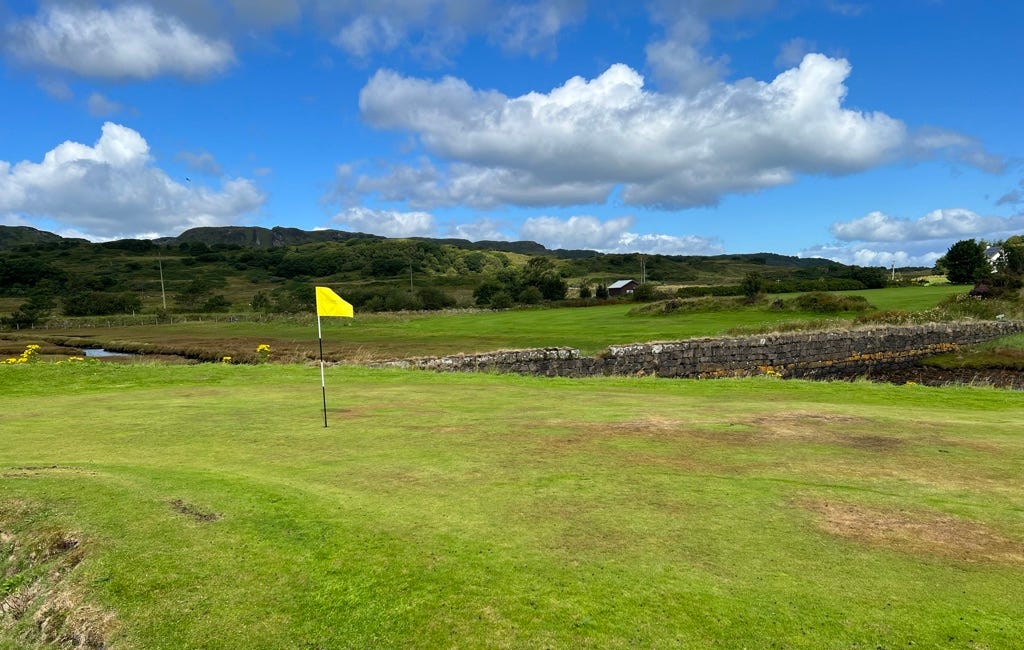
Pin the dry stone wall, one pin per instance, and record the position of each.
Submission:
(827, 354)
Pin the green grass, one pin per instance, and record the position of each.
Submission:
(376, 336)
(1006, 352)
(483, 511)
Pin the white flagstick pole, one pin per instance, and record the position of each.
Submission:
(323, 384)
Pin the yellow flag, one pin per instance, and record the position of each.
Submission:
(329, 303)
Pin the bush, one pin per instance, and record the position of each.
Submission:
(530, 295)
(965, 306)
(820, 302)
(501, 300)
(647, 292)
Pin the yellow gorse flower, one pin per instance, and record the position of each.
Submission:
(27, 356)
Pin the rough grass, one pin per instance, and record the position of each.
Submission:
(383, 336)
(1006, 352)
(212, 509)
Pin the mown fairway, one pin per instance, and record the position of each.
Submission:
(206, 506)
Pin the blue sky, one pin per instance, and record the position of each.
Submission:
(866, 132)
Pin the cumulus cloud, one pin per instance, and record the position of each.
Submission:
(125, 42)
(387, 223)
(480, 230)
(880, 239)
(677, 58)
(612, 236)
(112, 189)
(576, 143)
(956, 223)
(876, 255)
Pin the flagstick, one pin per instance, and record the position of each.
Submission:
(323, 384)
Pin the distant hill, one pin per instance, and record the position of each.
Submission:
(257, 237)
(11, 236)
(266, 238)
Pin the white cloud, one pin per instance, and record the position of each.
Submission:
(368, 34)
(125, 42)
(955, 223)
(931, 142)
(100, 106)
(681, 67)
(480, 230)
(533, 28)
(878, 239)
(432, 29)
(669, 245)
(576, 232)
(112, 189)
(611, 236)
(387, 223)
(876, 255)
(575, 144)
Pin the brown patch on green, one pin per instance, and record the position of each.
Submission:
(29, 471)
(916, 531)
(41, 605)
(193, 511)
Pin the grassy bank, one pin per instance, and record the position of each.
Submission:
(207, 506)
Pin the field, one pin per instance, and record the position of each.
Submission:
(146, 506)
(382, 336)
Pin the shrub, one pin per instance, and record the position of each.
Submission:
(501, 300)
(647, 292)
(821, 302)
(530, 295)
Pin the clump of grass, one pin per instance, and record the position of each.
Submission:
(822, 302)
(38, 597)
(961, 306)
(702, 304)
(1005, 353)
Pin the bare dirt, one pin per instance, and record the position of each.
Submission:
(924, 532)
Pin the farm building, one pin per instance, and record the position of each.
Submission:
(622, 288)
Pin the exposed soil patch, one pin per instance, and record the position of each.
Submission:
(41, 604)
(928, 376)
(194, 511)
(925, 532)
(28, 471)
(827, 428)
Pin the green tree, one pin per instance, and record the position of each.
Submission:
(965, 262)
(647, 292)
(753, 285)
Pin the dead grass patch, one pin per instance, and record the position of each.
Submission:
(193, 511)
(923, 532)
(29, 471)
(41, 604)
